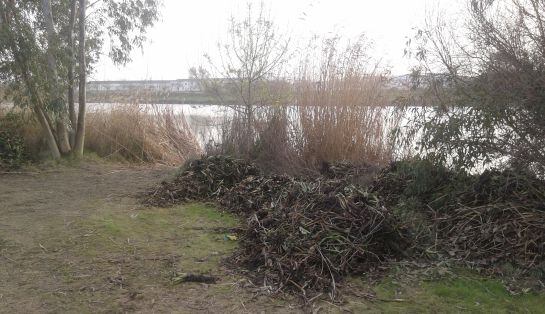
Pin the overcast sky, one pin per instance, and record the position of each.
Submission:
(190, 28)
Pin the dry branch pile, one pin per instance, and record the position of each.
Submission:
(201, 179)
(495, 233)
(498, 218)
(487, 219)
(305, 235)
(257, 193)
(299, 235)
(311, 234)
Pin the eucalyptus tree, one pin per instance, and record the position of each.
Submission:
(40, 66)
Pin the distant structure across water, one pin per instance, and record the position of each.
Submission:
(183, 85)
(184, 91)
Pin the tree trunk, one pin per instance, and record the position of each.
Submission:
(62, 133)
(50, 138)
(80, 132)
(50, 29)
(71, 70)
(42, 118)
(63, 139)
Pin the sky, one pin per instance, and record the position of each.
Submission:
(188, 29)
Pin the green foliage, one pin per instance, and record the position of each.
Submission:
(12, 146)
(126, 22)
(23, 59)
(416, 183)
(38, 60)
(484, 96)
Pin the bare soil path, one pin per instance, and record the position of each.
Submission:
(73, 239)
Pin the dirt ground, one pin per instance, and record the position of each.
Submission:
(73, 239)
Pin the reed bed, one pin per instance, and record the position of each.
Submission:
(20, 123)
(139, 133)
(122, 132)
(335, 110)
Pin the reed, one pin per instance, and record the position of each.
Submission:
(140, 133)
(343, 111)
(121, 132)
(336, 109)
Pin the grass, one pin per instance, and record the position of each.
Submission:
(73, 240)
(462, 292)
(197, 231)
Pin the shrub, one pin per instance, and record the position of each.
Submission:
(12, 144)
(483, 82)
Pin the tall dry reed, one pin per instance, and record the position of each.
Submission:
(342, 107)
(336, 111)
(139, 133)
(133, 133)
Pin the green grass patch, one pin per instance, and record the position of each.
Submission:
(459, 294)
(197, 212)
(476, 294)
(196, 232)
(158, 221)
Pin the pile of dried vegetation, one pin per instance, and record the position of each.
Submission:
(500, 217)
(201, 179)
(305, 236)
(495, 217)
(300, 235)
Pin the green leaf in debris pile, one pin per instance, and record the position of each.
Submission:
(231, 237)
